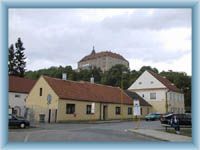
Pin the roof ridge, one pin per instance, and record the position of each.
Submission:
(170, 85)
(82, 82)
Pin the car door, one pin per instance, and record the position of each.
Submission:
(13, 121)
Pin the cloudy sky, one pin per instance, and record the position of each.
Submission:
(160, 38)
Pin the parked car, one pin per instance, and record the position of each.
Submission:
(152, 116)
(184, 119)
(15, 121)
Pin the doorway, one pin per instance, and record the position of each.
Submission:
(105, 112)
(49, 120)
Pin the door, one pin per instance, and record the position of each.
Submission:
(49, 120)
(105, 112)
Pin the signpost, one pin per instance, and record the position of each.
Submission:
(136, 108)
(137, 112)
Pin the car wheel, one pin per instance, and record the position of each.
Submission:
(22, 125)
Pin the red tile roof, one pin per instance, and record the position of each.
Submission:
(20, 85)
(86, 91)
(136, 96)
(165, 81)
(94, 55)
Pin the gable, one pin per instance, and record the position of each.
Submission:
(34, 97)
(146, 81)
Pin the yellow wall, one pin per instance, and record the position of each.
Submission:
(38, 104)
(158, 106)
(145, 110)
(80, 111)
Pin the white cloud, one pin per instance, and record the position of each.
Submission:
(159, 37)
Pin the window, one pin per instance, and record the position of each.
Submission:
(40, 91)
(151, 82)
(17, 96)
(117, 110)
(142, 95)
(130, 111)
(152, 95)
(88, 109)
(70, 108)
(140, 82)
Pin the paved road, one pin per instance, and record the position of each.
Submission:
(106, 132)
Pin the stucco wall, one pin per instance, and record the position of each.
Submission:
(38, 104)
(80, 111)
(176, 102)
(17, 101)
(146, 81)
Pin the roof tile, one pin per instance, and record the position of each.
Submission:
(20, 85)
(87, 91)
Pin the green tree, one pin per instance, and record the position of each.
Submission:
(116, 76)
(144, 68)
(20, 58)
(11, 61)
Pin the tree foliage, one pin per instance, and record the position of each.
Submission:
(16, 59)
(11, 60)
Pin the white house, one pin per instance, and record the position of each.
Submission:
(158, 91)
(19, 89)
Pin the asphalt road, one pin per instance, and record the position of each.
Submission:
(83, 132)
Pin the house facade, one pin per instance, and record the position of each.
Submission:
(57, 100)
(103, 60)
(18, 92)
(158, 91)
(145, 107)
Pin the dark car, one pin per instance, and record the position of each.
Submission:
(184, 119)
(15, 121)
(152, 116)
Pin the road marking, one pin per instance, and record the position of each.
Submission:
(26, 137)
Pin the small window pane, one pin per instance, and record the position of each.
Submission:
(17, 96)
(117, 110)
(70, 108)
(88, 109)
(152, 95)
(130, 111)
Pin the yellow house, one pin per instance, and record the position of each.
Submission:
(57, 100)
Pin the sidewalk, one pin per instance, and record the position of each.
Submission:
(162, 135)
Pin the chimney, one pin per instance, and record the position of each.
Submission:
(64, 76)
(92, 79)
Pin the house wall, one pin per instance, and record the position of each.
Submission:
(145, 110)
(158, 104)
(37, 104)
(147, 84)
(17, 102)
(80, 111)
(176, 102)
(146, 81)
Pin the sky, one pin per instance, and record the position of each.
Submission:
(159, 38)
